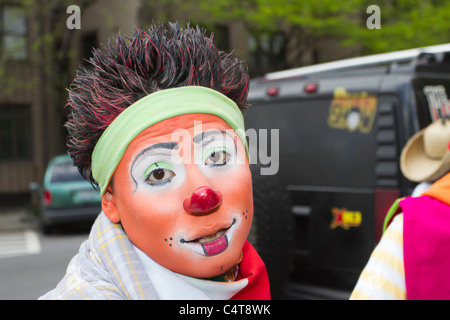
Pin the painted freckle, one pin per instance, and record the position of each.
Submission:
(165, 239)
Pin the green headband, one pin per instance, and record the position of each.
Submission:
(154, 108)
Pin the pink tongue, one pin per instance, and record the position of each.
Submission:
(215, 246)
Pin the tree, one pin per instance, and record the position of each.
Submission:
(303, 22)
(404, 23)
(43, 67)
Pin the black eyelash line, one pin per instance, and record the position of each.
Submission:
(161, 183)
(157, 167)
(224, 163)
(166, 181)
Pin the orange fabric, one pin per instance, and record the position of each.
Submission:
(440, 189)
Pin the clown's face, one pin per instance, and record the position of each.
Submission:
(183, 195)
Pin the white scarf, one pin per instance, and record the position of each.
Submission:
(109, 266)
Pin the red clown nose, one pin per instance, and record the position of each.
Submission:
(203, 200)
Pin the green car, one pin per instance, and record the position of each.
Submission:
(67, 197)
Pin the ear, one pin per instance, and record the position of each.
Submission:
(109, 206)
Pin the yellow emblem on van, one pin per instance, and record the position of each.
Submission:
(352, 111)
(345, 218)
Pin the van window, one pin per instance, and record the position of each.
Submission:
(432, 99)
(65, 171)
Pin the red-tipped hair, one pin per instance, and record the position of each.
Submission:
(164, 57)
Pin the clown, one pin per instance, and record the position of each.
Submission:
(156, 126)
(411, 260)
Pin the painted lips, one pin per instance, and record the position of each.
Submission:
(212, 244)
(215, 246)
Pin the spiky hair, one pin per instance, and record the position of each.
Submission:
(131, 68)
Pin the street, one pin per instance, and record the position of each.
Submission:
(27, 276)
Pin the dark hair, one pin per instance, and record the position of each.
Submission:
(164, 57)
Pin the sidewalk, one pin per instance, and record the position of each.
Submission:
(16, 219)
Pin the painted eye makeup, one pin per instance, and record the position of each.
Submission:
(159, 173)
(216, 156)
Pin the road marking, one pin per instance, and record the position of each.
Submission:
(19, 243)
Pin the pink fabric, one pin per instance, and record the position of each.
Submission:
(426, 247)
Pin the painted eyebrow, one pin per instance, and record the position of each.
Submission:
(162, 145)
(202, 136)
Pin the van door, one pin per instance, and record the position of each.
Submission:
(327, 161)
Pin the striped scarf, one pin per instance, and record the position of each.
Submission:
(108, 266)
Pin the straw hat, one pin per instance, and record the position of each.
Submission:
(426, 156)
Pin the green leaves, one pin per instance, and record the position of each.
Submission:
(404, 23)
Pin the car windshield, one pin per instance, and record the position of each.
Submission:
(65, 171)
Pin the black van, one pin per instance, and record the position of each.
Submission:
(341, 127)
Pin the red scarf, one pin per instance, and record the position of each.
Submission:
(253, 269)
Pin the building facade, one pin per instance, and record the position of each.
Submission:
(39, 55)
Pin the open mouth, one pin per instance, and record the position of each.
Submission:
(212, 244)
